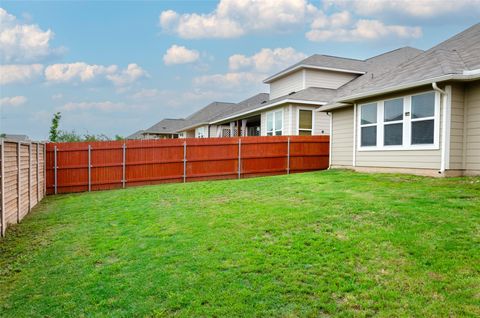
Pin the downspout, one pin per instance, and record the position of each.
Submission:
(330, 114)
(208, 131)
(443, 106)
(354, 155)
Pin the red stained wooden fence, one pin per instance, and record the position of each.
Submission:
(90, 166)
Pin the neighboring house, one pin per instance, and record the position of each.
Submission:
(198, 125)
(14, 137)
(136, 135)
(421, 116)
(165, 129)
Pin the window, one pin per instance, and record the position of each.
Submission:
(369, 125)
(200, 132)
(423, 118)
(409, 122)
(393, 122)
(275, 123)
(305, 122)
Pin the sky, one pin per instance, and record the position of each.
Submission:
(115, 67)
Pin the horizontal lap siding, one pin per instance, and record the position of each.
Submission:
(457, 127)
(472, 154)
(342, 137)
(327, 79)
(160, 161)
(285, 85)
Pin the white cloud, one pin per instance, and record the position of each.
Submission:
(146, 93)
(76, 71)
(180, 55)
(19, 73)
(23, 42)
(236, 80)
(13, 101)
(106, 106)
(84, 72)
(363, 30)
(234, 18)
(57, 96)
(267, 60)
(411, 8)
(129, 75)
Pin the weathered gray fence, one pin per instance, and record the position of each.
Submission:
(22, 179)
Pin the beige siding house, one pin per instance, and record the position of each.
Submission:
(422, 117)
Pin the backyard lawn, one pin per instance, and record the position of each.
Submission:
(322, 244)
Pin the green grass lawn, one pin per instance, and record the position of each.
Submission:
(321, 244)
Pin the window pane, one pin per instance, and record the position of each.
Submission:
(369, 136)
(305, 121)
(423, 105)
(269, 133)
(422, 132)
(305, 132)
(393, 134)
(278, 120)
(369, 114)
(278, 133)
(269, 121)
(393, 109)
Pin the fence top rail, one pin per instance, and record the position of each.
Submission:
(23, 142)
(179, 142)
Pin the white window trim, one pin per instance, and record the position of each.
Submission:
(407, 125)
(298, 119)
(273, 124)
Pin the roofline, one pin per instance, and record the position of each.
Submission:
(192, 126)
(348, 99)
(280, 102)
(158, 132)
(301, 66)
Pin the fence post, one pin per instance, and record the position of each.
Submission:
(29, 177)
(288, 155)
(2, 173)
(89, 168)
(55, 169)
(38, 173)
(124, 176)
(19, 184)
(239, 157)
(44, 170)
(184, 162)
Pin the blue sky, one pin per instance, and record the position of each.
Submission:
(117, 67)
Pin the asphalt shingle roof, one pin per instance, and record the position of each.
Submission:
(453, 56)
(166, 126)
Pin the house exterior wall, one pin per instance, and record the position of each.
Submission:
(457, 125)
(342, 137)
(285, 85)
(327, 79)
(472, 128)
(343, 143)
(416, 159)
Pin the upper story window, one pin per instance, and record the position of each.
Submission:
(305, 122)
(275, 123)
(405, 123)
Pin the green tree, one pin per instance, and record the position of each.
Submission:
(118, 137)
(54, 127)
